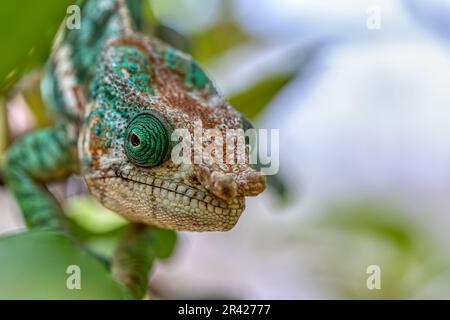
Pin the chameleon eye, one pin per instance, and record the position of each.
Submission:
(147, 140)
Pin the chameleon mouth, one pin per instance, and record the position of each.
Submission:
(189, 196)
(166, 203)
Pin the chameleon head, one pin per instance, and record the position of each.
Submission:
(142, 94)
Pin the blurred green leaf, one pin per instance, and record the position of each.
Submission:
(223, 34)
(27, 28)
(351, 237)
(165, 241)
(30, 89)
(3, 135)
(279, 185)
(92, 216)
(255, 99)
(3, 126)
(219, 38)
(252, 101)
(173, 38)
(384, 222)
(100, 229)
(33, 265)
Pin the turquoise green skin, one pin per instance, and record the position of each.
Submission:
(51, 154)
(41, 156)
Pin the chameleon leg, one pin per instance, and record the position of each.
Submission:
(133, 259)
(45, 155)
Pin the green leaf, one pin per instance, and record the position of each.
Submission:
(27, 28)
(173, 37)
(379, 221)
(252, 101)
(31, 91)
(278, 184)
(33, 265)
(219, 38)
(3, 127)
(374, 232)
(89, 214)
(165, 241)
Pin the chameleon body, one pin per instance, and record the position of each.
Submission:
(117, 95)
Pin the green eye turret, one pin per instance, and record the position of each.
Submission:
(147, 140)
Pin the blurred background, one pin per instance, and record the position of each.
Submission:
(360, 92)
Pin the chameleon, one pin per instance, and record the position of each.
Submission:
(117, 95)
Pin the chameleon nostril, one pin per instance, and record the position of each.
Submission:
(220, 184)
(223, 186)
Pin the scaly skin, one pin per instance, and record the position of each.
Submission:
(101, 81)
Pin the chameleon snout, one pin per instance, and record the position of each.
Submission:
(226, 185)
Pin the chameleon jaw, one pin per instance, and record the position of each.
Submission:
(166, 204)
